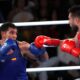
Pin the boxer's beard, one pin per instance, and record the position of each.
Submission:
(74, 28)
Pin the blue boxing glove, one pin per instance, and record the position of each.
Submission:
(36, 51)
(9, 44)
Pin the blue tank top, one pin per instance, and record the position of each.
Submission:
(14, 67)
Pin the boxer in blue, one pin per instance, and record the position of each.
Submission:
(12, 62)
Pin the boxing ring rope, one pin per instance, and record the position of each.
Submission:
(52, 69)
(40, 23)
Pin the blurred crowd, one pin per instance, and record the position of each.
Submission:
(38, 10)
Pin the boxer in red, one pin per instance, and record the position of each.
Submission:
(71, 46)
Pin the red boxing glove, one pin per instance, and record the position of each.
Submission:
(67, 45)
(41, 40)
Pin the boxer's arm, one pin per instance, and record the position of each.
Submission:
(28, 55)
(45, 56)
(24, 47)
(45, 40)
(30, 50)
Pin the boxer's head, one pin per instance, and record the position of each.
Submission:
(74, 16)
(9, 30)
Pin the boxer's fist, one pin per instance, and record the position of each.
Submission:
(40, 40)
(36, 51)
(44, 40)
(9, 44)
(67, 45)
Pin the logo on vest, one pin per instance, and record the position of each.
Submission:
(14, 59)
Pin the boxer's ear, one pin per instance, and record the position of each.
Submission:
(3, 33)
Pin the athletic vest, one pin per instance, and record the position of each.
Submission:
(13, 67)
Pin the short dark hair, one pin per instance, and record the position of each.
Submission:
(75, 11)
(5, 26)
